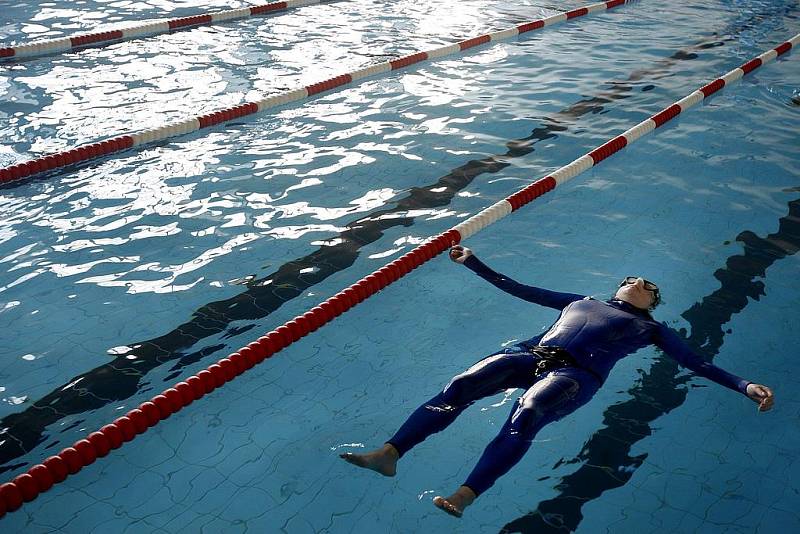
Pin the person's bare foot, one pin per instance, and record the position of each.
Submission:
(383, 460)
(457, 502)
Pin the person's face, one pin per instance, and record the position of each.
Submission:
(634, 292)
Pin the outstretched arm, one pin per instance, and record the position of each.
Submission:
(537, 295)
(670, 343)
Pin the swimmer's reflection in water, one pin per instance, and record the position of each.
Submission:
(559, 370)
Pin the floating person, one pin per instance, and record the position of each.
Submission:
(559, 370)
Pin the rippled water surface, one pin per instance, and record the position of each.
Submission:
(121, 276)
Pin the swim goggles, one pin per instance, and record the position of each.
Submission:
(648, 285)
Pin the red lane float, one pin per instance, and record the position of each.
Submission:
(53, 161)
(153, 27)
(82, 40)
(39, 478)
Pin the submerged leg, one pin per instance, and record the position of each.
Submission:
(487, 377)
(550, 399)
(490, 375)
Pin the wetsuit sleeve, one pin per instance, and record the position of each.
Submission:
(670, 343)
(543, 297)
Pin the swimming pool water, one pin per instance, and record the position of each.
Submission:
(146, 267)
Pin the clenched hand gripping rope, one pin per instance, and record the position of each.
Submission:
(41, 477)
(52, 46)
(123, 142)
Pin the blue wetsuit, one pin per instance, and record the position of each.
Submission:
(596, 333)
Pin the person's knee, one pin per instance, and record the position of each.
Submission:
(526, 419)
(459, 391)
(543, 403)
(486, 377)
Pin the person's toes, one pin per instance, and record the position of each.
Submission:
(443, 504)
(349, 457)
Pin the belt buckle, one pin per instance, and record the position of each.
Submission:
(541, 366)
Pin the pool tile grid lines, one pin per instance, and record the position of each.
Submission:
(300, 281)
(123, 142)
(157, 27)
(502, 208)
(41, 477)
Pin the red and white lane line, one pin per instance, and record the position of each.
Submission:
(52, 46)
(512, 203)
(43, 476)
(117, 144)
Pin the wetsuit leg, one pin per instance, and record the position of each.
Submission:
(509, 369)
(557, 394)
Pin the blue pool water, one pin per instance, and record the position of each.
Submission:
(121, 277)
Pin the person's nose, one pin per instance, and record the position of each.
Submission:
(639, 283)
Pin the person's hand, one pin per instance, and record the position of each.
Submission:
(762, 395)
(460, 254)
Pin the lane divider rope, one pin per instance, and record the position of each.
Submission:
(41, 477)
(123, 142)
(155, 27)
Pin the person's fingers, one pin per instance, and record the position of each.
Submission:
(762, 392)
(459, 253)
(767, 402)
